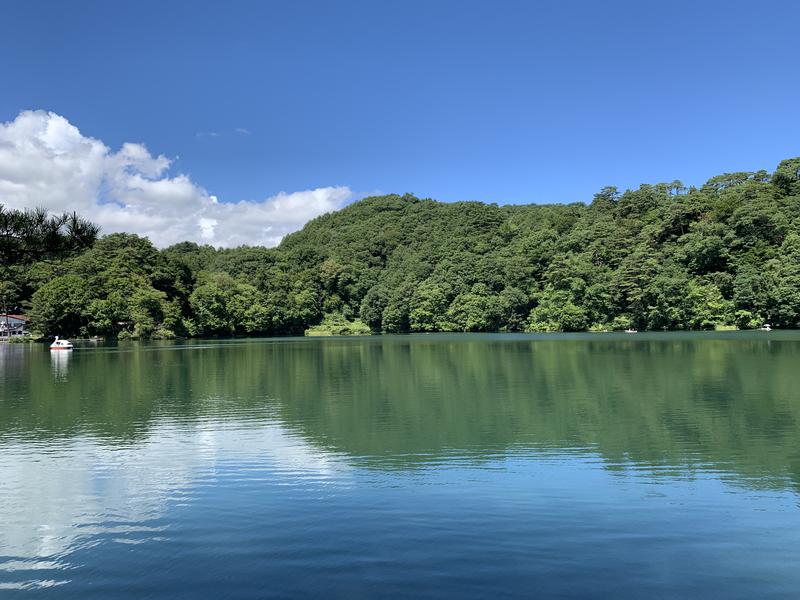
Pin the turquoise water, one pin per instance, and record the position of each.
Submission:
(465, 466)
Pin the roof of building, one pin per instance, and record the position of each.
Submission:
(14, 318)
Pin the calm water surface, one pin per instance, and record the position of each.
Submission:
(463, 466)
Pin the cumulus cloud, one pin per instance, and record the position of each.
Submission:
(46, 161)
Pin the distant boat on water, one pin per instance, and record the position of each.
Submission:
(61, 344)
(629, 330)
(766, 327)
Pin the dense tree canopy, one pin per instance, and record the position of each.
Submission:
(28, 237)
(658, 257)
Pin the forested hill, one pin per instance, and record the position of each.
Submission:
(661, 256)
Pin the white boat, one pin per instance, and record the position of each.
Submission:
(61, 344)
(766, 327)
(631, 331)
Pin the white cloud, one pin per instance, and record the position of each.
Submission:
(46, 161)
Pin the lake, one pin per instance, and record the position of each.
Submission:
(428, 466)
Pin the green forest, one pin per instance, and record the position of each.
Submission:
(663, 256)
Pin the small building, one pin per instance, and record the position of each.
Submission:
(12, 326)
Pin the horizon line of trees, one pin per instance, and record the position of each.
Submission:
(662, 256)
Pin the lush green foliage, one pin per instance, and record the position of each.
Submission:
(336, 324)
(28, 237)
(659, 257)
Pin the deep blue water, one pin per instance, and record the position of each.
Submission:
(464, 466)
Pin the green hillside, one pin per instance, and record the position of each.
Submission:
(658, 257)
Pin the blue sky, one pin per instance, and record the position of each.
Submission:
(494, 101)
